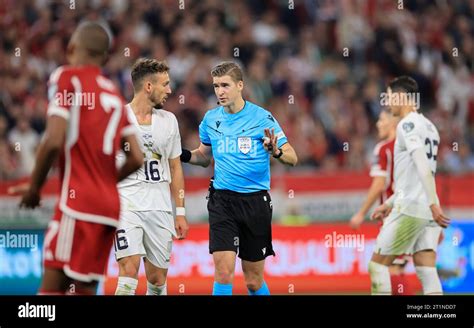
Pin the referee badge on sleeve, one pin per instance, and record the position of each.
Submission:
(245, 144)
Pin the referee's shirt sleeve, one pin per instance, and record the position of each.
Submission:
(203, 134)
(272, 123)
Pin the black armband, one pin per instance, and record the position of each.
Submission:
(185, 156)
(279, 155)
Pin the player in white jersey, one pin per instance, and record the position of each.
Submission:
(147, 226)
(413, 214)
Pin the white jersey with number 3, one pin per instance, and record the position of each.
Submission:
(148, 189)
(413, 131)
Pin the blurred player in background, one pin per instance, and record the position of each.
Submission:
(86, 135)
(382, 188)
(239, 135)
(409, 227)
(147, 225)
(382, 167)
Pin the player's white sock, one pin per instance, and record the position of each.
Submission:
(429, 280)
(380, 279)
(126, 286)
(156, 290)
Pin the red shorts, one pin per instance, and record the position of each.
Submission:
(80, 248)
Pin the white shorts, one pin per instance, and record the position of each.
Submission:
(139, 233)
(402, 234)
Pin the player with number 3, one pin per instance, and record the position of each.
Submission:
(413, 214)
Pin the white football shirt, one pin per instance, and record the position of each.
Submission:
(148, 188)
(413, 131)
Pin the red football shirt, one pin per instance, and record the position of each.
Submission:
(97, 120)
(382, 166)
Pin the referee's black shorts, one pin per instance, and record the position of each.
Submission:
(241, 222)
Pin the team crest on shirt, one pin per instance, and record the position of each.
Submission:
(148, 146)
(245, 144)
(408, 126)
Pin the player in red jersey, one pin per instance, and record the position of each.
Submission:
(382, 188)
(87, 123)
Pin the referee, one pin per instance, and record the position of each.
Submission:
(240, 136)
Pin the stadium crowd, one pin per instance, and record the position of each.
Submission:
(320, 66)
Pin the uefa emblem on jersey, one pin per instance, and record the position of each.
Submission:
(408, 126)
(245, 144)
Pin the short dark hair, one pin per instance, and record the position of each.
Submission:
(144, 67)
(94, 39)
(403, 83)
(228, 68)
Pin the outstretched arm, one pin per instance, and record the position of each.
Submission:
(200, 156)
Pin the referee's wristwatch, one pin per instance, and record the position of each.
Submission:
(280, 154)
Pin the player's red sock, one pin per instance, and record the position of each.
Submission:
(400, 285)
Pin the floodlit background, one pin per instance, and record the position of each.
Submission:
(319, 66)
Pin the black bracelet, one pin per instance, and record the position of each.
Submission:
(185, 156)
(279, 155)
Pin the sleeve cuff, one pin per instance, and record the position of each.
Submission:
(58, 111)
(128, 131)
(378, 173)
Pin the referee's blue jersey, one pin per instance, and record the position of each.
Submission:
(241, 162)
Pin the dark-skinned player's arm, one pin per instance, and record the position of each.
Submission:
(133, 156)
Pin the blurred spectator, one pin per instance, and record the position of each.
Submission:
(293, 58)
(8, 162)
(24, 141)
(461, 161)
